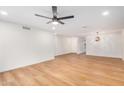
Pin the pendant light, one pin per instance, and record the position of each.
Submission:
(97, 37)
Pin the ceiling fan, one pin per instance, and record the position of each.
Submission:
(55, 20)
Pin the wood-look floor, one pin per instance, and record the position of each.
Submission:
(68, 70)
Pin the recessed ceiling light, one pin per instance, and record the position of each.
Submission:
(3, 12)
(53, 28)
(105, 13)
(55, 23)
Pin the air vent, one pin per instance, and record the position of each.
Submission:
(26, 28)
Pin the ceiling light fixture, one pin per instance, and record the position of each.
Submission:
(55, 23)
(105, 13)
(3, 13)
(97, 37)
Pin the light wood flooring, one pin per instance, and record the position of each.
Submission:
(68, 70)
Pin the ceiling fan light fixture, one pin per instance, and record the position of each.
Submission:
(55, 20)
(55, 23)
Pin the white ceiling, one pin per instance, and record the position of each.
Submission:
(84, 16)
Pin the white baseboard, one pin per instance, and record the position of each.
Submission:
(12, 67)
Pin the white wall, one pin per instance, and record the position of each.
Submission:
(110, 45)
(81, 45)
(19, 47)
(122, 44)
(65, 45)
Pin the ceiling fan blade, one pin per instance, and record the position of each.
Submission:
(66, 17)
(42, 16)
(49, 22)
(54, 10)
(60, 22)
